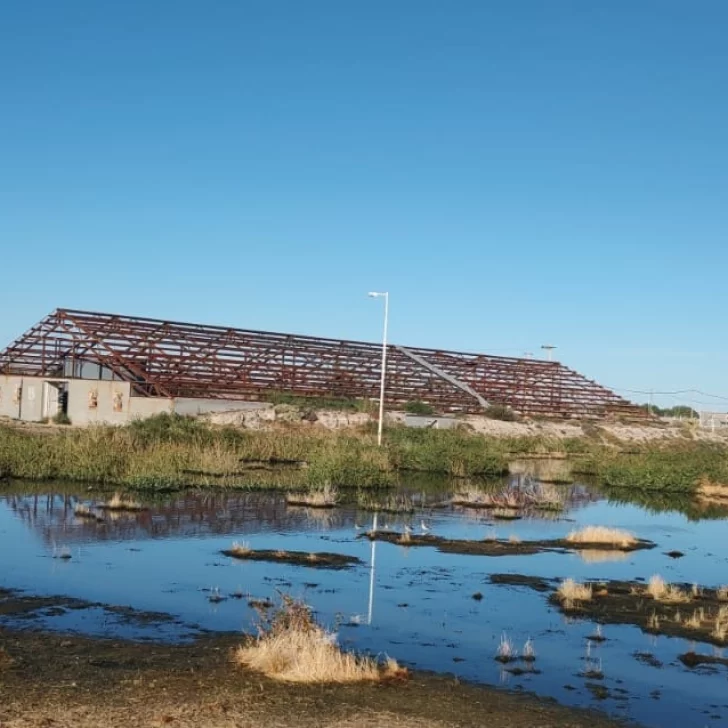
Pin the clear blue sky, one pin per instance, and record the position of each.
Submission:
(514, 172)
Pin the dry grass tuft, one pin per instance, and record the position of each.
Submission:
(491, 535)
(528, 653)
(292, 647)
(506, 651)
(722, 593)
(570, 591)
(325, 497)
(720, 628)
(241, 548)
(653, 622)
(540, 496)
(694, 622)
(514, 538)
(710, 491)
(603, 535)
(119, 502)
(506, 514)
(661, 591)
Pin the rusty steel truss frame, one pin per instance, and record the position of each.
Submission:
(171, 359)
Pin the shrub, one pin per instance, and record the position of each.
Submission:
(418, 407)
(500, 412)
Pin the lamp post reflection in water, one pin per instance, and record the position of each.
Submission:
(371, 571)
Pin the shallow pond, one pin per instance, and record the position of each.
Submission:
(416, 604)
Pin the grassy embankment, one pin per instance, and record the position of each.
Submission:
(172, 452)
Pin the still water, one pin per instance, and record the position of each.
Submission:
(415, 604)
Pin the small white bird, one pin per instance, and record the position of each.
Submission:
(357, 527)
(425, 528)
(407, 529)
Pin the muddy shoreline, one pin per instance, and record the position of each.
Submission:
(314, 559)
(71, 681)
(625, 602)
(496, 547)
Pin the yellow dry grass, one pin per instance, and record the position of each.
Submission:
(119, 502)
(294, 648)
(603, 535)
(241, 548)
(694, 622)
(661, 591)
(710, 491)
(572, 591)
(322, 498)
(720, 628)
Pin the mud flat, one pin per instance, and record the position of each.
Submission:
(315, 560)
(70, 681)
(499, 547)
(684, 610)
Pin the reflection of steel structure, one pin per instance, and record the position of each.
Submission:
(168, 359)
(52, 516)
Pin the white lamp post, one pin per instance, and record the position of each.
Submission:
(385, 296)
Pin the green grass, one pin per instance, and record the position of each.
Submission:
(328, 403)
(676, 469)
(170, 452)
(418, 407)
(455, 452)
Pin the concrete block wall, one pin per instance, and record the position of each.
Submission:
(141, 407)
(201, 406)
(92, 401)
(10, 406)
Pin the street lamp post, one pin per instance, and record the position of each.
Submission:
(548, 348)
(385, 296)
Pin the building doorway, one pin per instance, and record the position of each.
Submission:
(55, 399)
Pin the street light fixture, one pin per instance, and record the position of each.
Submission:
(385, 296)
(548, 348)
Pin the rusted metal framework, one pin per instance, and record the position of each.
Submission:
(172, 359)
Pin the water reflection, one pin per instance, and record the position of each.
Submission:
(414, 603)
(199, 514)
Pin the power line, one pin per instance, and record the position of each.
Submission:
(672, 392)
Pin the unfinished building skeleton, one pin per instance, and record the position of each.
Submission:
(99, 367)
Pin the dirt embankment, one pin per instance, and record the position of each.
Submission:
(266, 416)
